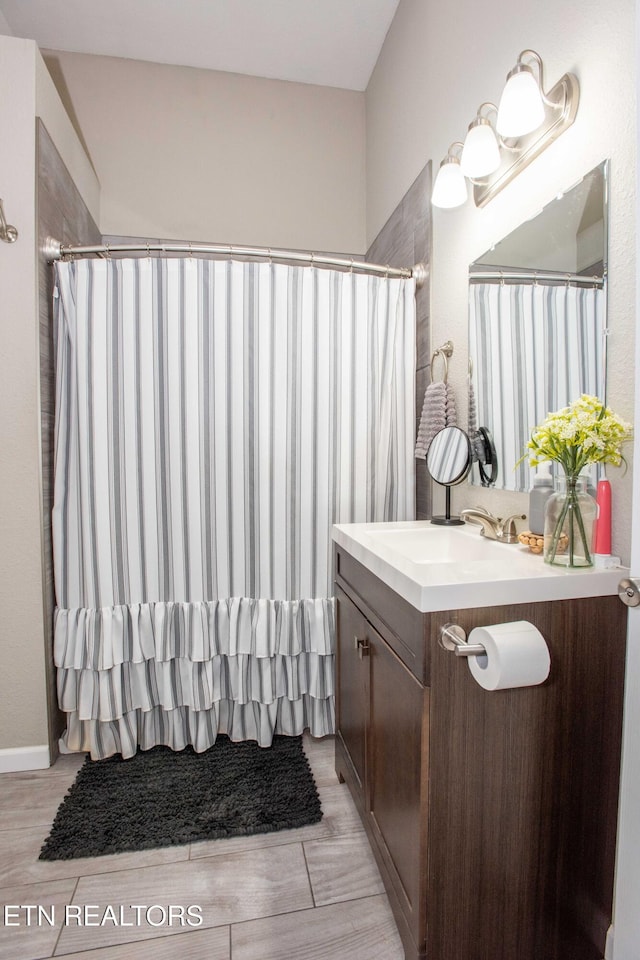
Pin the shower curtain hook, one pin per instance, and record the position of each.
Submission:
(270, 257)
(351, 267)
(107, 251)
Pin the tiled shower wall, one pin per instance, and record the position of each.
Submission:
(63, 215)
(405, 240)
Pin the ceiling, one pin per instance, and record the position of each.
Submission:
(330, 42)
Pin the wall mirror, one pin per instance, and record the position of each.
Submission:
(537, 320)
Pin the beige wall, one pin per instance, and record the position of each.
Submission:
(50, 109)
(202, 155)
(26, 91)
(434, 70)
(23, 720)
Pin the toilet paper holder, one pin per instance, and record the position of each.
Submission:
(454, 639)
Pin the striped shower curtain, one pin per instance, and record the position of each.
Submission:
(213, 419)
(534, 348)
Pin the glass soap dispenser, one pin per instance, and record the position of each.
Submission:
(538, 495)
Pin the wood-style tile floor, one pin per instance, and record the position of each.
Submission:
(308, 894)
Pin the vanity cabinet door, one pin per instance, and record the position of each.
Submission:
(398, 780)
(524, 791)
(352, 680)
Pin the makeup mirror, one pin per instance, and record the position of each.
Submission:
(537, 321)
(449, 456)
(448, 462)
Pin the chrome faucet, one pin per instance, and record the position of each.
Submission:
(493, 528)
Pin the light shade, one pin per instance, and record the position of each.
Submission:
(450, 187)
(521, 108)
(480, 153)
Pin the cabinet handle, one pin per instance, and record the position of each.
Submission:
(362, 646)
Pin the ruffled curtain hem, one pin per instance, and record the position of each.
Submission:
(101, 638)
(199, 728)
(109, 694)
(178, 673)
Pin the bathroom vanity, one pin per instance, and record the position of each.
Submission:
(491, 814)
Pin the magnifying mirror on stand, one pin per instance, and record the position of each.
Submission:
(450, 456)
(449, 462)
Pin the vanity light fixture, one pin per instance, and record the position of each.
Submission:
(528, 119)
(450, 187)
(481, 152)
(521, 107)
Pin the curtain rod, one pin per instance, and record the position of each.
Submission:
(54, 250)
(495, 275)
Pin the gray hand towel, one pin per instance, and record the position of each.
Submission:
(433, 417)
(473, 411)
(451, 413)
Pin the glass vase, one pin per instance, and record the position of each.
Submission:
(568, 524)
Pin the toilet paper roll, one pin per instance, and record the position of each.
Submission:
(517, 656)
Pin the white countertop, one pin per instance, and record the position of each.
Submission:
(452, 568)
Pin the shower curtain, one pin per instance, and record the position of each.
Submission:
(534, 348)
(213, 419)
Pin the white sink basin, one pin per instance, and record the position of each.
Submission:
(447, 568)
(432, 544)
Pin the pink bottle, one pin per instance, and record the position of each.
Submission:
(602, 537)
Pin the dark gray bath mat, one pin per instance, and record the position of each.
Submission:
(161, 798)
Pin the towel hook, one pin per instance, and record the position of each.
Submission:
(7, 233)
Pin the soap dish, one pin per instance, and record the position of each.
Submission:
(535, 541)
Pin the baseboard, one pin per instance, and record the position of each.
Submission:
(15, 759)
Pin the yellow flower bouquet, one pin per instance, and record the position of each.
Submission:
(583, 433)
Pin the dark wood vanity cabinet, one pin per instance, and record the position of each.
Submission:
(492, 815)
(383, 712)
